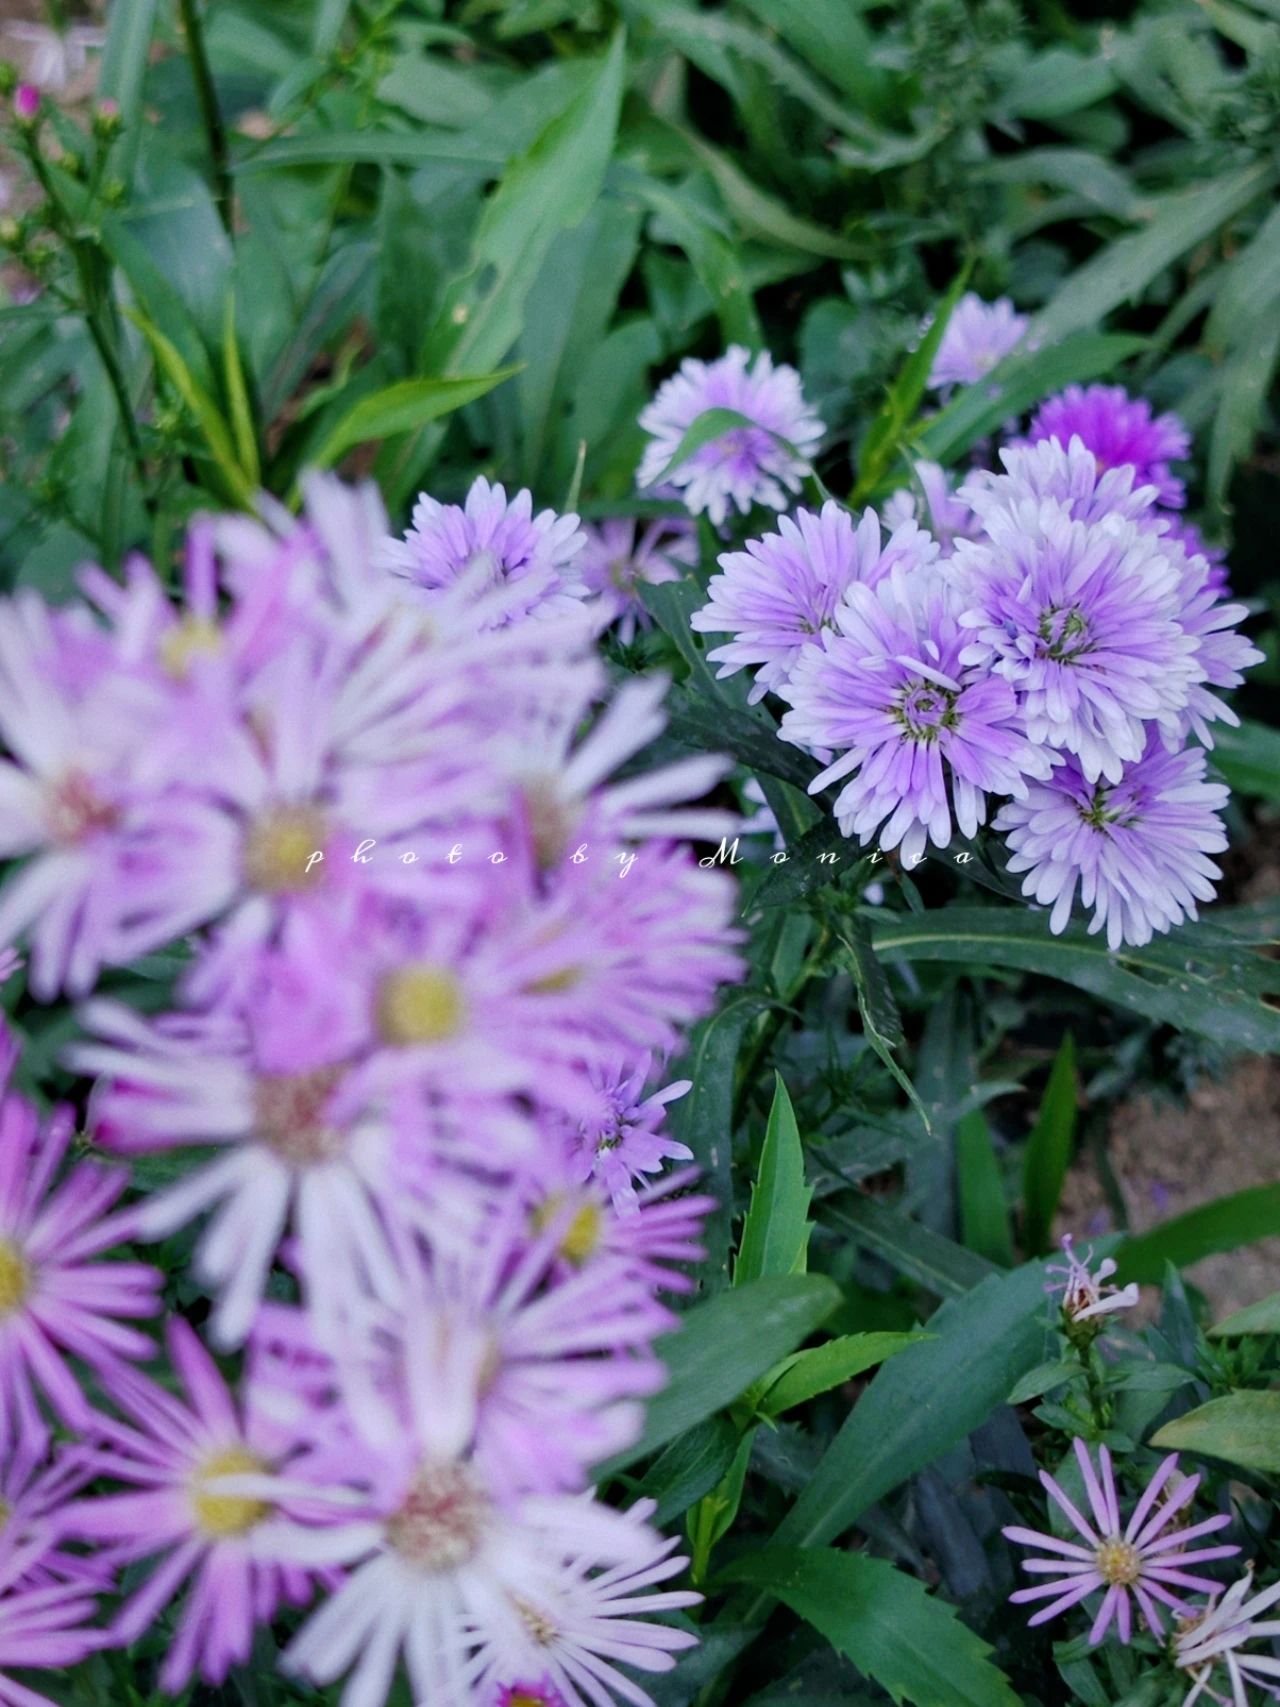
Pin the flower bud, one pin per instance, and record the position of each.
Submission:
(26, 104)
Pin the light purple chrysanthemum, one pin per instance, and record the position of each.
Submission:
(1144, 1558)
(56, 1301)
(1121, 432)
(1082, 620)
(1222, 653)
(1138, 848)
(745, 465)
(623, 554)
(889, 692)
(1189, 537)
(489, 543)
(35, 1489)
(780, 593)
(1068, 474)
(186, 1458)
(623, 1144)
(978, 336)
(942, 511)
(1215, 1636)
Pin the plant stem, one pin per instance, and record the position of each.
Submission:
(210, 112)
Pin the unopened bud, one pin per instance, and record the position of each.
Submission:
(26, 103)
(106, 118)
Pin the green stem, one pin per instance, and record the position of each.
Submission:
(210, 112)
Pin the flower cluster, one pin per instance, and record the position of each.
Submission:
(409, 1103)
(1053, 638)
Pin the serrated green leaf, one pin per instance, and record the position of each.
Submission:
(722, 1346)
(775, 1233)
(1243, 1428)
(910, 1642)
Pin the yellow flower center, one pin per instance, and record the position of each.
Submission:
(440, 1523)
(223, 1515)
(420, 1004)
(278, 847)
(581, 1237)
(194, 637)
(15, 1278)
(1119, 1562)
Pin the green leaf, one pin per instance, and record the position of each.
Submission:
(1223, 1225)
(401, 408)
(1260, 1318)
(1045, 1378)
(1248, 758)
(947, 1269)
(690, 1467)
(762, 216)
(1123, 270)
(1048, 1152)
(909, 1641)
(722, 1346)
(775, 1234)
(705, 429)
(1242, 1427)
(1245, 385)
(880, 442)
(806, 1374)
(246, 438)
(1194, 978)
(813, 861)
(123, 71)
(924, 1401)
(881, 1021)
(1018, 384)
(984, 1213)
(217, 435)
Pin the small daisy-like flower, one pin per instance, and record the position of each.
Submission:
(1142, 1560)
(978, 336)
(1082, 620)
(889, 693)
(1121, 432)
(779, 594)
(623, 1144)
(190, 1461)
(745, 465)
(1083, 1290)
(57, 1302)
(1138, 848)
(1215, 1636)
(513, 563)
(623, 554)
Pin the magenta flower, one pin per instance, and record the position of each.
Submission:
(26, 103)
(1142, 1560)
(1121, 432)
(623, 554)
(924, 735)
(541, 1694)
(779, 594)
(511, 563)
(57, 1304)
(1138, 849)
(194, 1463)
(745, 465)
(978, 336)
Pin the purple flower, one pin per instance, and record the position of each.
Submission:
(42, 1624)
(623, 554)
(26, 103)
(622, 1143)
(744, 465)
(541, 1694)
(56, 1302)
(782, 591)
(936, 507)
(1142, 1560)
(1215, 1636)
(1082, 620)
(1121, 432)
(1069, 475)
(1084, 1291)
(978, 336)
(889, 692)
(511, 563)
(1188, 535)
(1138, 848)
(1222, 655)
(193, 1462)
